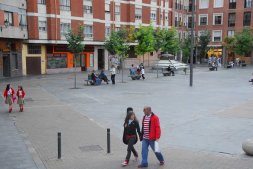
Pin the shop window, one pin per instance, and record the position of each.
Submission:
(91, 60)
(8, 16)
(34, 49)
(55, 61)
(78, 60)
(43, 2)
(65, 5)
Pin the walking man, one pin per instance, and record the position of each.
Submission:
(113, 74)
(151, 132)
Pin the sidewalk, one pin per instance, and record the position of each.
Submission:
(84, 142)
(13, 151)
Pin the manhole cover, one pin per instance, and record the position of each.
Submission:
(29, 100)
(91, 148)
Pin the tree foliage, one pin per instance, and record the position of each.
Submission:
(244, 42)
(229, 43)
(186, 48)
(159, 35)
(75, 39)
(170, 41)
(145, 38)
(203, 41)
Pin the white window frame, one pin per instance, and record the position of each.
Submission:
(231, 34)
(213, 35)
(107, 31)
(153, 15)
(64, 27)
(88, 35)
(9, 17)
(86, 10)
(42, 24)
(65, 5)
(201, 16)
(42, 2)
(215, 1)
(200, 7)
(117, 9)
(138, 13)
(218, 14)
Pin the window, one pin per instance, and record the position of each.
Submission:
(203, 4)
(246, 18)
(88, 31)
(189, 21)
(41, 2)
(138, 13)
(8, 16)
(107, 31)
(231, 33)
(153, 15)
(34, 49)
(65, 5)
(117, 29)
(117, 10)
(15, 56)
(217, 19)
(22, 20)
(57, 60)
(218, 3)
(42, 26)
(247, 3)
(217, 36)
(203, 19)
(231, 19)
(232, 4)
(65, 27)
(87, 9)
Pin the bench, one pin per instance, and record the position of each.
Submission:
(88, 82)
(213, 68)
(229, 66)
(135, 77)
(244, 64)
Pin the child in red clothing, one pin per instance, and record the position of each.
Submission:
(8, 94)
(21, 95)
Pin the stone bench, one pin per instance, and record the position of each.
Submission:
(247, 147)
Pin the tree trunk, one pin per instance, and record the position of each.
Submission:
(122, 70)
(75, 69)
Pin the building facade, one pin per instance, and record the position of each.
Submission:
(49, 20)
(13, 31)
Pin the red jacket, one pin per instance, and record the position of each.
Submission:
(154, 127)
(22, 94)
(6, 91)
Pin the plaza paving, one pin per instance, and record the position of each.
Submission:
(202, 127)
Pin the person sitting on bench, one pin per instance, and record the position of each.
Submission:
(132, 70)
(93, 77)
(251, 80)
(103, 76)
(170, 71)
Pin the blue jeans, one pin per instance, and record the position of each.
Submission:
(145, 144)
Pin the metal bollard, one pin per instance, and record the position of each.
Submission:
(59, 145)
(108, 141)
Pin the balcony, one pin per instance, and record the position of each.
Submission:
(13, 32)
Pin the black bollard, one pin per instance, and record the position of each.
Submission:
(59, 145)
(108, 141)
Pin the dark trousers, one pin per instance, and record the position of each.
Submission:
(130, 148)
(143, 76)
(113, 79)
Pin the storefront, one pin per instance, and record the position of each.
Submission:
(10, 58)
(60, 59)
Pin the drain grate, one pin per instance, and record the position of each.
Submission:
(90, 148)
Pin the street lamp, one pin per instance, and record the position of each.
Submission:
(192, 44)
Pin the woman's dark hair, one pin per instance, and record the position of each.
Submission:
(8, 87)
(129, 109)
(21, 88)
(128, 116)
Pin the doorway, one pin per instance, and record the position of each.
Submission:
(6, 65)
(101, 59)
(33, 66)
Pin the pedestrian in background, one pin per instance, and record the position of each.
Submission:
(20, 94)
(9, 96)
(130, 138)
(129, 109)
(113, 74)
(143, 72)
(151, 132)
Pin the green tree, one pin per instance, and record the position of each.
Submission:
(244, 42)
(117, 44)
(75, 43)
(145, 39)
(159, 36)
(171, 42)
(186, 48)
(203, 41)
(229, 43)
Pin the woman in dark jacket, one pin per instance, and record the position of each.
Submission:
(131, 127)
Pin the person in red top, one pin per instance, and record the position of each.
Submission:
(151, 132)
(8, 94)
(20, 94)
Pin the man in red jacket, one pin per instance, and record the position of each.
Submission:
(151, 132)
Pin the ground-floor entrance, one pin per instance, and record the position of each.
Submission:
(101, 59)
(33, 65)
(6, 65)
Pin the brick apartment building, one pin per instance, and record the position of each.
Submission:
(46, 51)
(12, 33)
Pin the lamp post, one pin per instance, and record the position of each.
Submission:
(192, 44)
